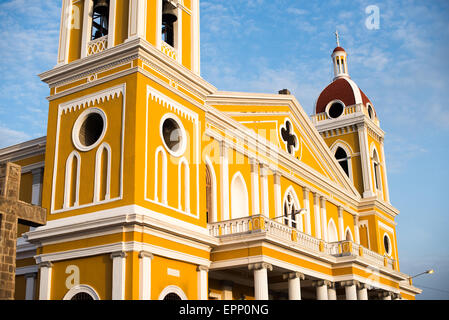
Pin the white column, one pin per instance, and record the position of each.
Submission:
(321, 289)
(356, 229)
(384, 171)
(158, 24)
(45, 280)
(137, 19)
(308, 229)
(196, 36)
(385, 295)
(316, 209)
(264, 190)
(87, 26)
(332, 292)
(260, 279)
(294, 285)
(145, 275)
(227, 290)
(362, 292)
(277, 195)
(350, 289)
(64, 33)
(30, 286)
(111, 26)
(365, 159)
(118, 275)
(178, 39)
(224, 180)
(323, 219)
(36, 193)
(203, 293)
(255, 187)
(341, 224)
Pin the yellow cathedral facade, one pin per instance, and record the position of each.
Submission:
(159, 186)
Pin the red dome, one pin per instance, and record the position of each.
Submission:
(338, 49)
(342, 89)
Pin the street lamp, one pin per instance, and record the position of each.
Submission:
(430, 271)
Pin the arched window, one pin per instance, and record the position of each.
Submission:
(172, 296)
(239, 197)
(291, 208)
(343, 159)
(332, 231)
(376, 169)
(102, 183)
(211, 192)
(160, 176)
(72, 180)
(168, 22)
(208, 194)
(183, 185)
(100, 19)
(348, 235)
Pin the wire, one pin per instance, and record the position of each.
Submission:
(418, 285)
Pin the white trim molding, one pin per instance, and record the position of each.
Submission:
(172, 289)
(81, 288)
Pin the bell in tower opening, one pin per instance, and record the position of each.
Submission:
(168, 20)
(100, 19)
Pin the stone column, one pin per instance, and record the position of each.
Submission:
(118, 275)
(203, 293)
(224, 181)
(308, 228)
(350, 289)
(137, 19)
(265, 207)
(145, 275)
(277, 195)
(362, 291)
(255, 200)
(332, 292)
(341, 226)
(323, 219)
(294, 285)
(260, 279)
(316, 209)
(321, 289)
(30, 286)
(365, 159)
(356, 230)
(385, 295)
(45, 280)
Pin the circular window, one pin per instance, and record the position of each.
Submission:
(89, 129)
(387, 244)
(173, 135)
(336, 109)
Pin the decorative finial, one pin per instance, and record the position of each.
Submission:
(338, 38)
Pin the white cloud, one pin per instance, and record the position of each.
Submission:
(10, 137)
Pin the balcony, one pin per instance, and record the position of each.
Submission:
(97, 45)
(258, 224)
(169, 50)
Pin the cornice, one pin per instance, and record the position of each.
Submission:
(23, 150)
(128, 51)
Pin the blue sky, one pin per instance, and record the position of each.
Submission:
(268, 45)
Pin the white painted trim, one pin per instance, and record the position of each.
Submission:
(118, 275)
(163, 179)
(390, 244)
(182, 147)
(105, 147)
(349, 155)
(265, 201)
(239, 176)
(77, 126)
(137, 19)
(297, 204)
(64, 34)
(81, 288)
(184, 188)
(87, 27)
(111, 22)
(145, 276)
(68, 180)
(294, 133)
(328, 106)
(45, 281)
(172, 289)
(84, 102)
(213, 216)
(224, 182)
(332, 228)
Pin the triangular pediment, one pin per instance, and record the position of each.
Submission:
(281, 121)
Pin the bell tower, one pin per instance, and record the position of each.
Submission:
(89, 27)
(348, 122)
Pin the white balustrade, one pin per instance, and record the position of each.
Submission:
(97, 45)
